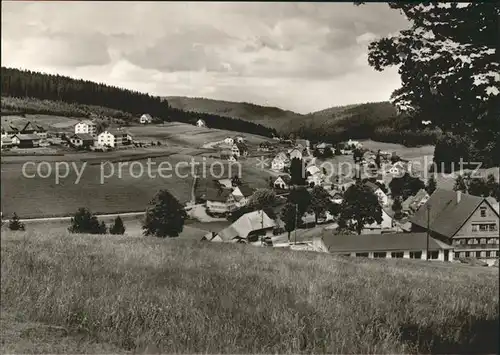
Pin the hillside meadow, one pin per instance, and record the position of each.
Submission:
(125, 190)
(176, 296)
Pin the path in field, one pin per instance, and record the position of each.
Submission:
(68, 218)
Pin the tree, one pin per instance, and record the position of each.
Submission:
(289, 217)
(302, 198)
(493, 186)
(405, 186)
(448, 64)
(118, 227)
(334, 209)
(165, 216)
(297, 174)
(263, 199)
(102, 229)
(431, 185)
(378, 160)
(235, 181)
(360, 207)
(15, 223)
(395, 158)
(320, 200)
(479, 187)
(328, 153)
(357, 155)
(271, 182)
(397, 207)
(84, 221)
(382, 186)
(461, 184)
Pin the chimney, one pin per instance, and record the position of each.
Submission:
(459, 196)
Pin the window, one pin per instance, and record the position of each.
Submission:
(415, 255)
(398, 254)
(478, 254)
(467, 254)
(470, 241)
(433, 255)
(363, 255)
(483, 228)
(457, 255)
(475, 227)
(457, 241)
(493, 227)
(462, 254)
(483, 254)
(483, 241)
(497, 253)
(493, 253)
(483, 211)
(380, 255)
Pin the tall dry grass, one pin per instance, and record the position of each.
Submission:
(181, 296)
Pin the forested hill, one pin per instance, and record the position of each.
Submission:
(25, 83)
(375, 120)
(267, 115)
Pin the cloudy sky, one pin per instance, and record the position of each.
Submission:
(298, 56)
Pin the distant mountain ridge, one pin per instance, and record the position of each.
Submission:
(285, 121)
(375, 120)
(267, 115)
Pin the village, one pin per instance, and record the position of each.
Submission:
(250, 178)
(461, 226)
(441, 225)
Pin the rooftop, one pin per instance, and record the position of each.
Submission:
(246, 224)
(217, 195)
(246, 190)
(447, 214)
(83, 136)
(380, 242)
(27, 137)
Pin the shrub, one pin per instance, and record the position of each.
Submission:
(85, 222)
(15, 223)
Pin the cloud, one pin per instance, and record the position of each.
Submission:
(303, 56)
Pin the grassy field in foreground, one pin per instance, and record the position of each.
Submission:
(145, 294)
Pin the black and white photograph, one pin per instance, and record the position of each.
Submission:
(250, 177)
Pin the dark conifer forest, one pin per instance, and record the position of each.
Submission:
(30, 84)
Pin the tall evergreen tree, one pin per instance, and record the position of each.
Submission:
(431, 185)
(289, 217)
(118, 227)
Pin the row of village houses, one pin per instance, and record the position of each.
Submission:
(460, 226)
(32, 135)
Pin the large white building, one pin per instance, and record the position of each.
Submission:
(114, 138)
(390, 245)
(87, 127)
